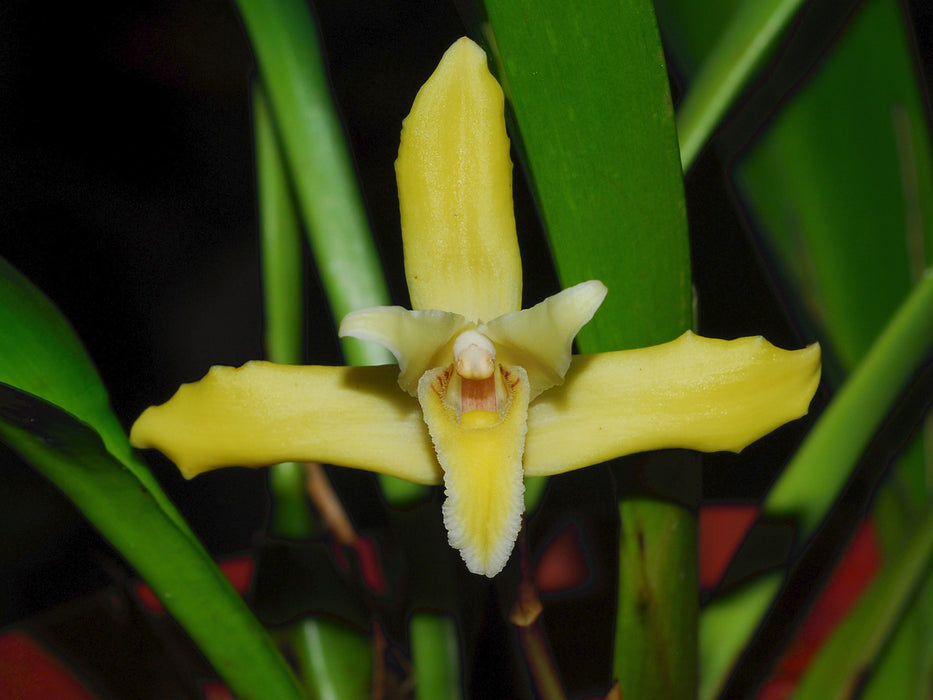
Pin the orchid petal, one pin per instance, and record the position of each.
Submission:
(262, 413)
(481, 455)
(455, 192)
(420, 340)
(540, 339)
(694, 393)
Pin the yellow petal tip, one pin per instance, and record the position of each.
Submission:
(455, 192)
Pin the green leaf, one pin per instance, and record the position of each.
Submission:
(54, 411)
(291, 64)
(600, 149)
(335, 659)
(280, 237)
(73, 456)
(856, 643)
(435, 653)
(283, 311)
(832, 449)
(842, 184)
(41, 354)
(838, 187)
(589, 93)
(744, 45)
(726, 627)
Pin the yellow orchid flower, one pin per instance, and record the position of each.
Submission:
(489, 392)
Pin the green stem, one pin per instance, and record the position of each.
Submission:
(435, 656)
(280, 239)
(751, 35)
(288, 53)
(540, 662)
(655, 651)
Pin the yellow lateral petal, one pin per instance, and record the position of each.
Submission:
(455, 192)
(695, 393)
(420, 340)
(263, 413)
(540, 339)
(482, 472)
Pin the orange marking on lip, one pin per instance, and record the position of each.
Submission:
(478, 394)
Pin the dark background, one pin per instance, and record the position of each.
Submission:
(127, 196)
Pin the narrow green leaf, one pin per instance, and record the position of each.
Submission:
(288, 53)
(589, 92)
(744, 45)
(336, 661)
(833, 447)
(727, 625)
(829, 453)
(291, 63)
(283, 311)
(280, 238)
(435, 654)
(842, 184)
(839, 187)
(857, 642)
(73, 456)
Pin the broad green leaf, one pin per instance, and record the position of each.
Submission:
(589, 93)
(74, 457)
(54, 411)
(600, 149)
(41, 354)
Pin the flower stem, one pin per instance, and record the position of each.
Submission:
(540, 662)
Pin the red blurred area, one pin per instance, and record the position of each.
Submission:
(30, 672)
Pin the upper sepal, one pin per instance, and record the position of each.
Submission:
(455, 192)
